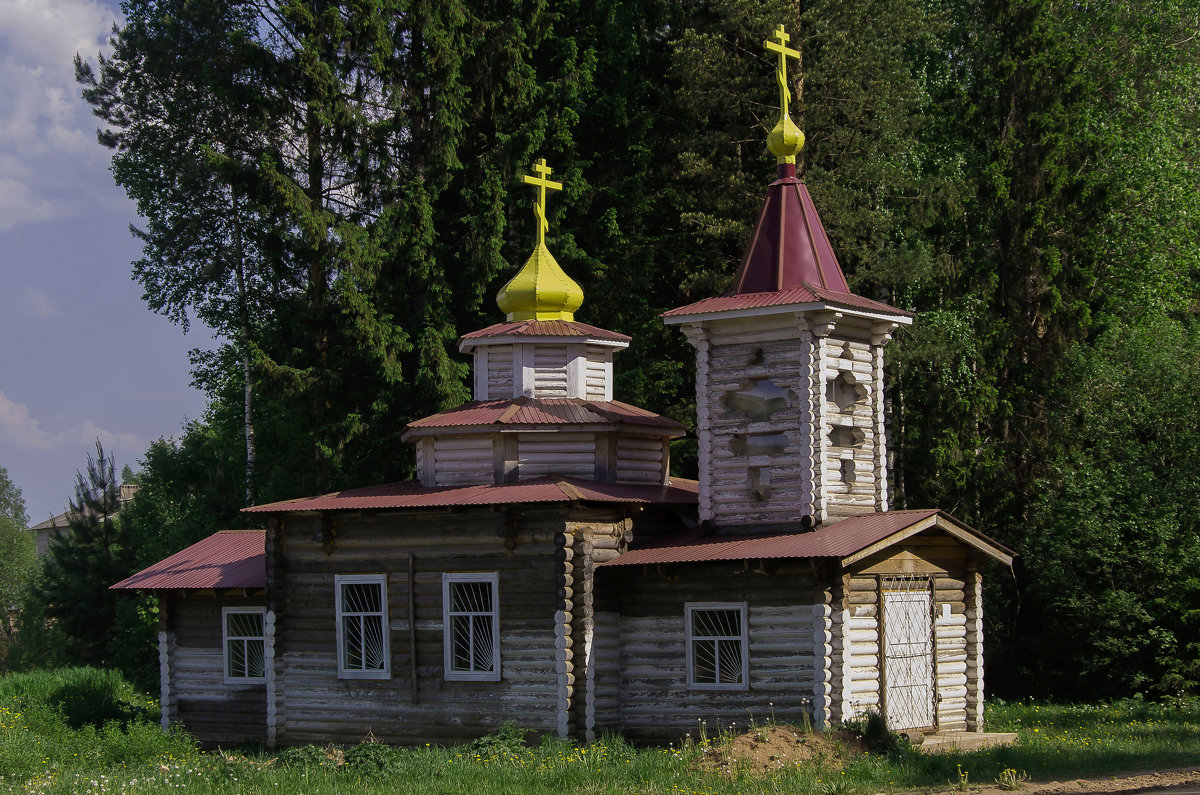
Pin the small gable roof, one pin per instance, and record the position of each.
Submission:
(411, 494)
(226, 559)
(849, 540)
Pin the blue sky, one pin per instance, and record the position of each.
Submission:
(82, 357)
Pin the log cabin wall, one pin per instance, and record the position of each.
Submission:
(641, 683)
(755, 466)
(790, 417)
(544, 583)
(936, 562)
(200, 699)
(853, 463)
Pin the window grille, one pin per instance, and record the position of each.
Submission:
(362, 626)
(472, 626)
(244, 644)
(717, 646)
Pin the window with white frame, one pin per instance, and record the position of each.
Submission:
(471, 617)
(362, 626)
(717, 646)
(244, 643)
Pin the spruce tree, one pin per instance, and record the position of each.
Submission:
(91, 553)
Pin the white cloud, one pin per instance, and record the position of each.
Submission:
(89, 432)
(23, 431)
(19, 428)
(40, 303)
(19, 204)
(48, 150)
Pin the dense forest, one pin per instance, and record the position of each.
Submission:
(334, 188)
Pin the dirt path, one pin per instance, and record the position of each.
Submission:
(1143, 781)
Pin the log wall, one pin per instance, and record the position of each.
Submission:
(640, 459)
(641, 678)
(462, 460)
(545, 624)
(824, 452)
(191, 642)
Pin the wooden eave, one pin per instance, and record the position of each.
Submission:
(947, 524)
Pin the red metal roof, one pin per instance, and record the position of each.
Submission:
(546, 328)
(833, 541)
(411, 494)
(806, 294)
(547, 411)
(789, 246)
(226, 559)
(788, 260)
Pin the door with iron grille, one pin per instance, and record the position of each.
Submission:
(907, 653)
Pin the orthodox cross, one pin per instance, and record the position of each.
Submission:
(539, 208)
(779, 44)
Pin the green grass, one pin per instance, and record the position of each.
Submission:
(86, 731)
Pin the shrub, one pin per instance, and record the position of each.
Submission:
(303, 756)
(83, 696)
(372, 758)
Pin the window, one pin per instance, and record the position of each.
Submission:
(362, 626)
(471, 617)
(717, 646)
(242, 629)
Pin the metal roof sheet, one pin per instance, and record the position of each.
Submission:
(546, 328)
(833, 541)
(411, 494)
(226, 559)
(805, 294)
(788, 260)
(789, 246)
(546, 411)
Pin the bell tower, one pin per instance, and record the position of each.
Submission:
(789, 366)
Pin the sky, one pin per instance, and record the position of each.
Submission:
(81, 356)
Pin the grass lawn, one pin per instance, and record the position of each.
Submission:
(82, 731)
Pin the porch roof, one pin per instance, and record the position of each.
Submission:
(226, 559)
(848, 540)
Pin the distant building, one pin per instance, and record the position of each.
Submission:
(62, 522)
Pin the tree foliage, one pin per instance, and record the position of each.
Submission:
(91, 553)
(334, 189)
(17, 559)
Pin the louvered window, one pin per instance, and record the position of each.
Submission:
(245, 644)
(471, 618)
(362, 626)
(717, 646)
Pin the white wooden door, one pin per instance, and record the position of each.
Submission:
(908, 659)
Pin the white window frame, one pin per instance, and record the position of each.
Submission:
(451, 675)
(362, 579)
(743, 639)
(226, 676)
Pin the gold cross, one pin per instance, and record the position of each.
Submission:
(539, 208)
(779, 45)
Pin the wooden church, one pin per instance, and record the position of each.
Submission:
(545, 568)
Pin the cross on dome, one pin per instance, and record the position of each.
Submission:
(539, 207)
(540, 290)
(779, 45)
(786, 140)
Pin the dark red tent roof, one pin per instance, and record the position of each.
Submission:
(226, 559)
(788, 260)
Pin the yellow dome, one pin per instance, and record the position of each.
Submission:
(540, 290)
